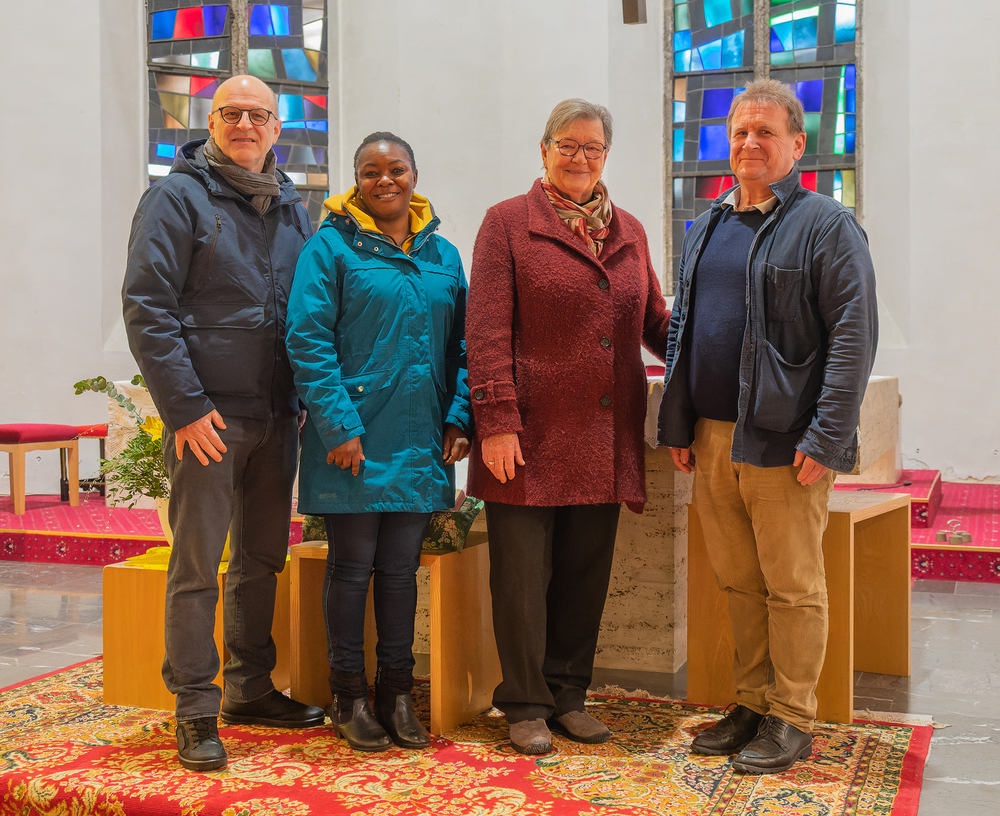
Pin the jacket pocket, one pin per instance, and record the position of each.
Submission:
(784, 293)
(231, 346)
(786, 392)
(222, 315)
(361, 385)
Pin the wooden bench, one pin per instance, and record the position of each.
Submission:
(867, 552)
(464, 664)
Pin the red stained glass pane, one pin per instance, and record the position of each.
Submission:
(809, 181)
(199, 84)
(189, 23)
(711, 187)
(317, 100)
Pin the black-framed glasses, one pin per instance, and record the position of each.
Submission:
(232, 115)
(570, 147)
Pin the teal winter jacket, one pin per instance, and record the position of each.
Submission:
(376, 337)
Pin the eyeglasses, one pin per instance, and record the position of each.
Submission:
(570, 147)
(233, 116)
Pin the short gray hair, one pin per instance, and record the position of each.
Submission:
(573, 110)
(770, 92)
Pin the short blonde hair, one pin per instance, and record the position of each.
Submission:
(770, 91)
(573, 110)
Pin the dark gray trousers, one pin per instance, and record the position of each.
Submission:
(549, 574)
(249, 495)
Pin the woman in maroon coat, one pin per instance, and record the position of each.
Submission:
(561, 296)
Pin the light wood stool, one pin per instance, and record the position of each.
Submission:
(866, 549)
(17, 440)
(465, 667)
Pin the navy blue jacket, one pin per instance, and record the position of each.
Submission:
(812, 329)
(206, 291)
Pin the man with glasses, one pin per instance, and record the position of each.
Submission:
(210, 263)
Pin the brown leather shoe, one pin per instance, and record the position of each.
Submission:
(777, 746)
(531, 737)
(730, 734)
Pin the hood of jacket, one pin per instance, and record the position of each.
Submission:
(190, 159)
(421, 214)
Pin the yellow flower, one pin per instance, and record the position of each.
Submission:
(153, 426)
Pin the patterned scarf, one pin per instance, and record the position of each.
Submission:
(260, 187)
(589, 221)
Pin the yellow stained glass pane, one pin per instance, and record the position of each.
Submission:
(177, 106)
(318, 179)
(847, 194)
(680, 89)
(313, 57)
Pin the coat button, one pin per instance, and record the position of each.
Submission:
(603, 284)
(359, 243)
(361, 388)
(605, 401)
(605, 341)
(376, 249)
(480, 394)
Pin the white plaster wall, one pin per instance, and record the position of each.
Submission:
(70, 176)
(931, 213)
(471, 85)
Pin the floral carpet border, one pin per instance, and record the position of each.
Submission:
(977, 566)
(64, 752)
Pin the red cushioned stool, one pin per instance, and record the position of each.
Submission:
(98, 432)
(17, 440)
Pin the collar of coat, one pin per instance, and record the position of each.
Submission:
(543, 220)
(421, 214)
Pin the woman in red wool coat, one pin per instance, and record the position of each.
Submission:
(562, 294)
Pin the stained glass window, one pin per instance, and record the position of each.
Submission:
(811, 47)
(712, 35)
(189, 56)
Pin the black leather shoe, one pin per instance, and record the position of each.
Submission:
(354, 721)
(776, 748)
(198, 745)
(730, 734)
(394, 708)
(273, 709)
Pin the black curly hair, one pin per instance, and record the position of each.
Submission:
(380, 136)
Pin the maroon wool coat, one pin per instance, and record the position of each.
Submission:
(553, 340)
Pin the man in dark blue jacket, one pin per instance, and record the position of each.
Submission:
(772, 339)
(210, 263)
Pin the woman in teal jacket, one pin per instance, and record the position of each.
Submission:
(376, 336)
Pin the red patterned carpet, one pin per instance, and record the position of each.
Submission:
(50, 531)
(63, 752)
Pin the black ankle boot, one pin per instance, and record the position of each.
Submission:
(394, 708)
(352, 715)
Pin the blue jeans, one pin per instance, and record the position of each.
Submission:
(362, 544)
(249, 495)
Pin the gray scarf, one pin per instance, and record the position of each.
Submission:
(260, 187)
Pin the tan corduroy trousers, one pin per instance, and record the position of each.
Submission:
(764, 532)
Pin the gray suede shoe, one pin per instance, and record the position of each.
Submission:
(531, 737)
(581, 727)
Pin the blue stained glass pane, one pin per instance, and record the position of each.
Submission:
(810, 94)
(849, 74)
(784, 31)
(682, 60)
(845, 22)
(678, 144)
(717, 12)
(215, 20)
(696, 60)
(776, 44)
(715, 103)
(166, 151)
(687, 225)
(680, 111)
(849, 138)
(163, 25)
(838, 182)
(318, 124)
(732, 50)
(290, 125)
(297, 65)
(711, 55)
(279, 19)
(260, 21)
(713, 143)
(682, 40)
(805, 32)
(290, 107)
(849, 122)
(281, 153)
(849, 101)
